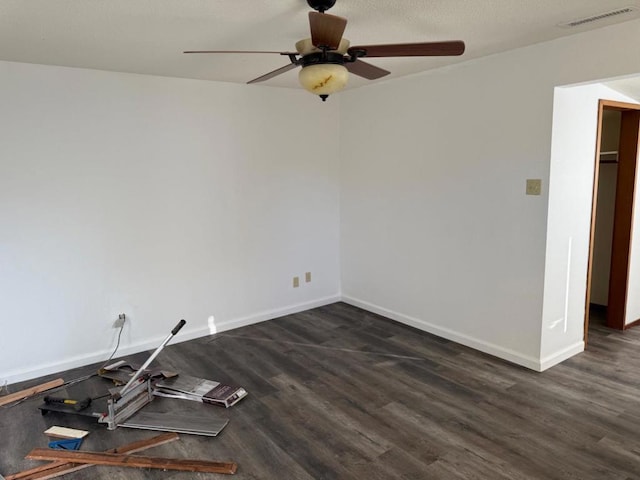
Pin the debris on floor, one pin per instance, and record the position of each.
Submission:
(30, 392)
(58, 468)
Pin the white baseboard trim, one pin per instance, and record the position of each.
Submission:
(554, 359)
(486, 347)
(152, 343)
(271, 314)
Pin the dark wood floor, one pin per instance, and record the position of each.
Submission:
(340, 393)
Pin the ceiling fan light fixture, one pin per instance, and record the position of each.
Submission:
(324, 79)
(306, 46)
(327, 57)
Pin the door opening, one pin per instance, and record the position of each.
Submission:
(612, 220)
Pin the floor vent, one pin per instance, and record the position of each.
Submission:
(597, 18)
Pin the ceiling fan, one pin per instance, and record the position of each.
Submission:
(327, 58)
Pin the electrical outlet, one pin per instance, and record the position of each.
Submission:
(307, 277)
(296, 282)
(119, 323)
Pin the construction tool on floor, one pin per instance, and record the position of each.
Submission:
(87, 407)
(122, 406)
(126, 402)
(76, 404)
(173, 333)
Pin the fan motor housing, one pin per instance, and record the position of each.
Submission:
(321, 5)
(320, 58)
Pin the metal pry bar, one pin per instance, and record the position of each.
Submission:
(175, 330)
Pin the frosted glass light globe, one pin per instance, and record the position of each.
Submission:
(324, 79)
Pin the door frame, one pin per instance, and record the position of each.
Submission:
(623, 215)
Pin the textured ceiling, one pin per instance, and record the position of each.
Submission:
(148, 36)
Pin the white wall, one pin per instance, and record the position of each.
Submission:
(160, 198)
(632, 311)
(573, 151)
(436, 229)
(169, 198)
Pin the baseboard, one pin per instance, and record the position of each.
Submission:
(477, 344)
(551, 360)
(635, 323)
(271, 314)
(152, 343)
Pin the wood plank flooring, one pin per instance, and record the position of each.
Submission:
(340, 393)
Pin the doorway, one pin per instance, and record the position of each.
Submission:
(610, 238)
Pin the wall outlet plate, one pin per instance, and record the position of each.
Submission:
(296, 282)
(534, 186)
(119, 322)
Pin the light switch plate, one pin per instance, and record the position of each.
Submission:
(534, 186)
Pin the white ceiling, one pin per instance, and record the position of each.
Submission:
(148, 36)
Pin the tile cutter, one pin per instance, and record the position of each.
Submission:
(122, 404)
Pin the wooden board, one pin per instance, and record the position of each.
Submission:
(29, 392)
(64, 432)
(61, 467)
(120, 460)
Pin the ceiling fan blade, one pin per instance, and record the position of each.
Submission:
(427, 49)
(366, 70)
(238, 51)
(326, 30)
(275, 73)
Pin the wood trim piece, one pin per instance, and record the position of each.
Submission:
(60, 467)
(632, 324)
(615, 105)
(29, 392)
(592, 231)
(120, 460)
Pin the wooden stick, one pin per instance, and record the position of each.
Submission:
(57, 468)
(29, 392)
(119, 460)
